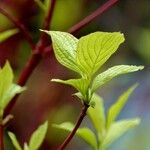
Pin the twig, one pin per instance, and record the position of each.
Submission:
(19, 25)
(92, 16)
(77, 125)
(36, 57)
(1, 137)
(99, 11)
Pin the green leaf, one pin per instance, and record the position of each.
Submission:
(6, 77)
(7, 34)
(14, 141)
(85, 133)
(97, 114)
(26, 147)
(80, 84)
(65, 45)
(116, 108)
(112, 72)
(9, 94)
(38, 136)
(119, 128)
(41, 5)
(7, 89)
(95, 49)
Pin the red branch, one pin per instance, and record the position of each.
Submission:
(99, 11)
(19, 25)
(106, 6)
(1, 138)
(36, 57)
(77, 125)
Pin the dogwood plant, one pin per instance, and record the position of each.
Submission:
(86, 56)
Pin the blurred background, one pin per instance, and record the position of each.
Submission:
(46, 100)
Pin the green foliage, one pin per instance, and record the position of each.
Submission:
(117, 129)
(38, 137)
(112, 72)
(41, 5)
(7, 34)
(7, 88)
(84, 133)
(85, 56)
(105, 135)
(116, 108)
(98, 112)
(94, 49)
(65, 46)
(14, 141)
(35, 141)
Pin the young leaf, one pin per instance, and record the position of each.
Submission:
(41, 5)
(118, 106)
(85, 133)
(111, 73)
(7, 88)
(38, 136)
(119, 128)
(97, 115)
(80, 84)
(26, 147)
(9, 94)
(14, 141)
(65, 45)
(7, 34)
(95, 49)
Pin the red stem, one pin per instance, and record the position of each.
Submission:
(77, 125)
(92, 16)
(34, 60)
(20, 25)
(1, 138)
(99, 11)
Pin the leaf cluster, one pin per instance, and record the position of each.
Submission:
(35, 141)
(107, 128)
(86, 56)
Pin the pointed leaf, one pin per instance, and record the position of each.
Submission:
(80, 84)
(117, 129)
(7, 89)
(14, 141)
(116, 108)
(85, 133)
(38, 137)
(41, 5)
(112, 72)
(97, 115)
(95, 49)
(65, 45)
(7, 34)
(26, 147)
(6, 77)
(9, 94)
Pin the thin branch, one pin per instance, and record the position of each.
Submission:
(19, 25)
(1, 137)
(77, 125)
(44, 37)
(36, 57)
(98, 12)
(92, 16)
(48, 18)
